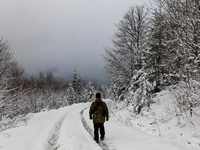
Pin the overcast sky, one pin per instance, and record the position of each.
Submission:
(61, 35)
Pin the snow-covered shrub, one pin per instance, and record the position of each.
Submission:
(161, 119)
(139, 93)
(187, 96)
(6, 123)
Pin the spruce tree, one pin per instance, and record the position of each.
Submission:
(78, 86)
(156, 52)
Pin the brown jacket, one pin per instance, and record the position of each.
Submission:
(98, 111)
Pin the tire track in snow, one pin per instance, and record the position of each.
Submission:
(52, 142)
(102, 144)
(54, 136)
(86, 126)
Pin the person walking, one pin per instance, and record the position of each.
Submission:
(99, 113)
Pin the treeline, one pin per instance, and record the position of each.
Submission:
(21, 94)
(154, 48)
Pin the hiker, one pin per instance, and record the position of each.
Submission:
(98, 112)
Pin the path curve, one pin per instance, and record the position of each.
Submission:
(69, 133)
(118, 137)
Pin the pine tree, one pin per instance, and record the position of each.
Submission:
(140, 90)
(78, 86)
(71, 95)
(156, 52)
(90, 89)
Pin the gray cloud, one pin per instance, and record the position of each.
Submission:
(61, 35)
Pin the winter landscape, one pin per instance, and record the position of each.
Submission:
(153, 94)
(70, 128)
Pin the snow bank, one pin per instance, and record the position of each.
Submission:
(162, 120)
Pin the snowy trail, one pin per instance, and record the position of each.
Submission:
(52, 142)
(42, 132)
(72, 134)
(119, 136)
(69, 128)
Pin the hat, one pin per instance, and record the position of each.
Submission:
(98, 95)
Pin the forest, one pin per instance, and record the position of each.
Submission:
(153, 48)
(21, 93)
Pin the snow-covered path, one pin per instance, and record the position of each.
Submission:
(72, 134)
(69, 128)
(121, 137)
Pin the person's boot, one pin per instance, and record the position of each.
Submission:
(97, 140)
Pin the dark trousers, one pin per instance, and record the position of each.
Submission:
(98, 126)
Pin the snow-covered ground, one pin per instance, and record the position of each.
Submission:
(163, 120)
(69, 128)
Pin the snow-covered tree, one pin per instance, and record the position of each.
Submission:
(103, 89)
(183, 19)
(129, 41)
(90, 91)
(71, 96)
(78, 86)
(10, 76)
(140, 90)
(156, 52)
(106, 92)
